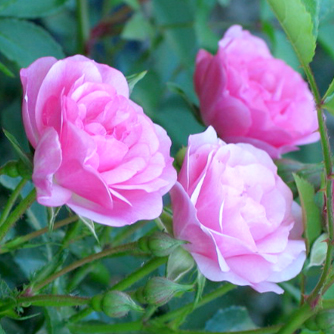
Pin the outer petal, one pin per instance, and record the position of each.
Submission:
(47, 161)
(32, 79)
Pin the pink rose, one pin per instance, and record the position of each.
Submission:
(237, 214)
(249, 96)
(95, 149)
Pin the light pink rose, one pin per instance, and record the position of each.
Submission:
(237, 214)
(95, 149)
(249, 96)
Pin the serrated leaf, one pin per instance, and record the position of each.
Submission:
(179, 263)
(23, 42)
(134, 78)
(311, 212)
(231, 319)
(18, 148)
(90, 224)
(32, 9)
(313, 7)
(297, 24)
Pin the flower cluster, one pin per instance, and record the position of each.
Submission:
(98, 153)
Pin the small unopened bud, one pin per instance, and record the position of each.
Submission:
(10, 169)
(325, 319)
(115, 304)
(159, 290)
(159, 244)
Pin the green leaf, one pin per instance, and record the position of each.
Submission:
(18, 150)
(313, 7)
(231, 319)
(23, 42)
(134, 78)
(137, 28)
(52, 215)
(179, 91)
(297, 24)
(329, 103)
(1, 330)
(224, 3)
(6, 70)
(326, 8)
(6, 3)
(201, 280)
(311, 212)
(90, 224)
(325, 38)
(206, 37)
(32, 9)
(54, 321)
(134, 4)
(179, 263)
(329, 95)
(319, 251)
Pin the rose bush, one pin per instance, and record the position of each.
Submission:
(95, 149)
(250, 96)
(237, 214)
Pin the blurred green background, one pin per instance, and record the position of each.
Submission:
(161, 37)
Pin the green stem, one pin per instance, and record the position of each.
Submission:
(15, 243)
(11, 201)
(45, 300)
(328, 163)
(101, 328)
(134, 277)
(54, 300)
(189, 307)
(125, 233)
(88, 259)
(17, 213)
(297, 319)
(264, 330)
(83, 25)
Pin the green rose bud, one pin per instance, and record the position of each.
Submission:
(159, 244)
(325, 319)
(10, 169)
(115, 304)
(159, 290)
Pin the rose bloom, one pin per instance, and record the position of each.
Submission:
(95, 149)
(249, 96)
(237, 214)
